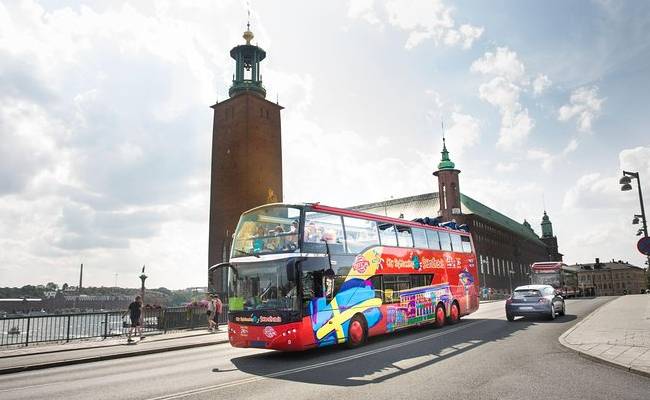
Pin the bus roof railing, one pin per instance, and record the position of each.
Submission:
(449, 225)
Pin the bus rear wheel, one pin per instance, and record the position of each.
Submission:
(454, 314)
(440, 316)
(357, 332)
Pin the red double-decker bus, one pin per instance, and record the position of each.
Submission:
(304, 276)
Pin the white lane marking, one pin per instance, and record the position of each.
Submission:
(28, 387)
(314, 366)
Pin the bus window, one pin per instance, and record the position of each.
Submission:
(376, 285)
(320, 227)
(393, 284)
(404, 238)
(467, 245)
(455, 243)
(420, 238)
(387, 235)
(445, 241)
(419, 280)
(433, 239)
(360, 234)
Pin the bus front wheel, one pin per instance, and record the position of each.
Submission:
(357, 331)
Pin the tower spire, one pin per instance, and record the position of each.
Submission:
(445, 162)
(247, 77)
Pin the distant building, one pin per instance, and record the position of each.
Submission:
(610, 278)
(504, 247)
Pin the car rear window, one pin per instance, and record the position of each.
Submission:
(520, 294)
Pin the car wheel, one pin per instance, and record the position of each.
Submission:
(440, 316)
(563, 311)
(510, 317)
(552, 315)
(357, 333)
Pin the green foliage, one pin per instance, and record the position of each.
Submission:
(171, 297)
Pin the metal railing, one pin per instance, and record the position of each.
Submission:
(29, 329)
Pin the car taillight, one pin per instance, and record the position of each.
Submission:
(543, 300)
(509, 300)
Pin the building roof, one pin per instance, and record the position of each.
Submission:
(612, 265)
(427, 205)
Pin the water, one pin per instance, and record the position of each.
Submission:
(62, 328)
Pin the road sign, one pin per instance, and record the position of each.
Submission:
(644, 245)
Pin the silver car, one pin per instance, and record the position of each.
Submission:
(535, 300)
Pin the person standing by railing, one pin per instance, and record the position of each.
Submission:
(218, 308)
(135, 314)
(210, 313)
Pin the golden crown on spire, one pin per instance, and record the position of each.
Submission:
(248, 36)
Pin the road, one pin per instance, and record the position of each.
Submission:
(483, 357)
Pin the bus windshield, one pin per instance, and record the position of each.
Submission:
(267, 230)
(546, 278)
(261, 285)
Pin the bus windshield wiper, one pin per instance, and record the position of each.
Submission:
(247, 254)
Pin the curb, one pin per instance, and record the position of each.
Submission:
(565, 343)
(32, 367)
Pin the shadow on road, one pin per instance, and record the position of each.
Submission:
(386, 356)
(542, 319)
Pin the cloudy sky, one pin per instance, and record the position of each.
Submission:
(105, 125)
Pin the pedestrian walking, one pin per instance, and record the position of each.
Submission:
(210, 313)
(135, 314)
(218, 308)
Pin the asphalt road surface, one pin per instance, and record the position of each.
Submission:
(483, 357)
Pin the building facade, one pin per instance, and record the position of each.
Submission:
(610, 278)
(504, 247)
(246, 152)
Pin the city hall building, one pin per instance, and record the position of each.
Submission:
(505, 248)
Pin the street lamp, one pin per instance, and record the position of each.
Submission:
(142, 277)
(626, 185)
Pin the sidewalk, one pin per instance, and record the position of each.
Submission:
(617, 333)
(19, 359)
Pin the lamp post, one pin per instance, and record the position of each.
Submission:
(625, 182)
(143, 277)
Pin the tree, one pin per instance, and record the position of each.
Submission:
(51, 286)
(65, 286)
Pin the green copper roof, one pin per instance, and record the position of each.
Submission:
(474, 207)
(427, 205)
(445, 163)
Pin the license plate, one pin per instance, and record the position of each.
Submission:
(525, 308)
(256, 343)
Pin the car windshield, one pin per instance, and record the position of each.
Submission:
(521, 293)
(267, 230)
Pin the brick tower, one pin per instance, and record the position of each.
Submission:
(448, 187)
(246, 152)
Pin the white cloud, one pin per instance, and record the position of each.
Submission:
(363, 9)
(504, 62)
(540, 84)
(506, 167)
(423, 20)
(463, 132)
(541, 156)
(504, 91)
(101, 137)
(570, 147)
(584, 105)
